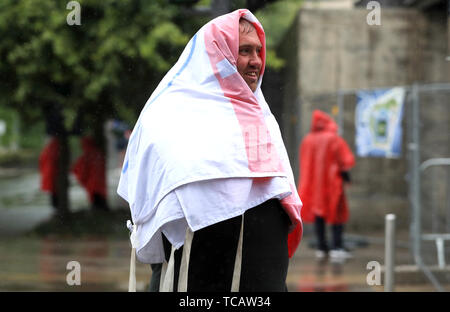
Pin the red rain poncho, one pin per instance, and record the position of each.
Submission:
(323, 156)
(89, 169)
(48, 165)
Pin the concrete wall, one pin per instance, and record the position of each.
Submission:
(331, 50)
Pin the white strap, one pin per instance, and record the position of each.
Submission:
(134, 243)
(238, 261)
(167, 272)
(168, 276)
(184, 266)
(163, 275)
(132, 281)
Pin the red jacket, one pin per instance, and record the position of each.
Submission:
(323, 156)
(48, 165)
(89, 168)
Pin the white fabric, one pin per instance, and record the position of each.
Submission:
(209, 202)
(196, 150)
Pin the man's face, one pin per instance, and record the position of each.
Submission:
(249, 61)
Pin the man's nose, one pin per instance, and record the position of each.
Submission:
(255, 59)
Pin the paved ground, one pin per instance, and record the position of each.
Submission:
(306, 273)
(40, 264)
(31, 264)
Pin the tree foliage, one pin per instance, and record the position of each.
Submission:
(277, 17)
(111, 62)
(54, 70)
(107, 65)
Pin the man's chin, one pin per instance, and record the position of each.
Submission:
(252, 85)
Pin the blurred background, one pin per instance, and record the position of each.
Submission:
(74, 76)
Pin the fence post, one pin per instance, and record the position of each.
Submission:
(340, 102)
(389, 255)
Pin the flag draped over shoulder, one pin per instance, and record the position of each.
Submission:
(203, 122)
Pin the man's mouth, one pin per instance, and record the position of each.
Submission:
(252, 75)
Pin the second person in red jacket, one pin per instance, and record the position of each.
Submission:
(325, 159)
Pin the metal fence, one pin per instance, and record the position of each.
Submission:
(424, 165)
(427, 140)
(429, 177)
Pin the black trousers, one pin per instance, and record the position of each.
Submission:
(264, 252)
(337, 230)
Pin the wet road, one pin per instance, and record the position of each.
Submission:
(31, 263)
(35, 263)
(23, 205)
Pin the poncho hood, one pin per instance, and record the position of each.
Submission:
(321, 121)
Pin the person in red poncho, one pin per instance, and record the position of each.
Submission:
(89, 169)
(325, 159)
(48, 167)
(51, 159)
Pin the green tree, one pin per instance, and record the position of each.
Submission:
(105, 67)
(276, 18)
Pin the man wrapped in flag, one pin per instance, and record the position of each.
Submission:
(206, 172)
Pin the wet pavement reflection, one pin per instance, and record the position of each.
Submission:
(34, 264)
(30, 264)
(40, 262)
(308, 274)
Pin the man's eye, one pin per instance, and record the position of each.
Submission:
(244, 51)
